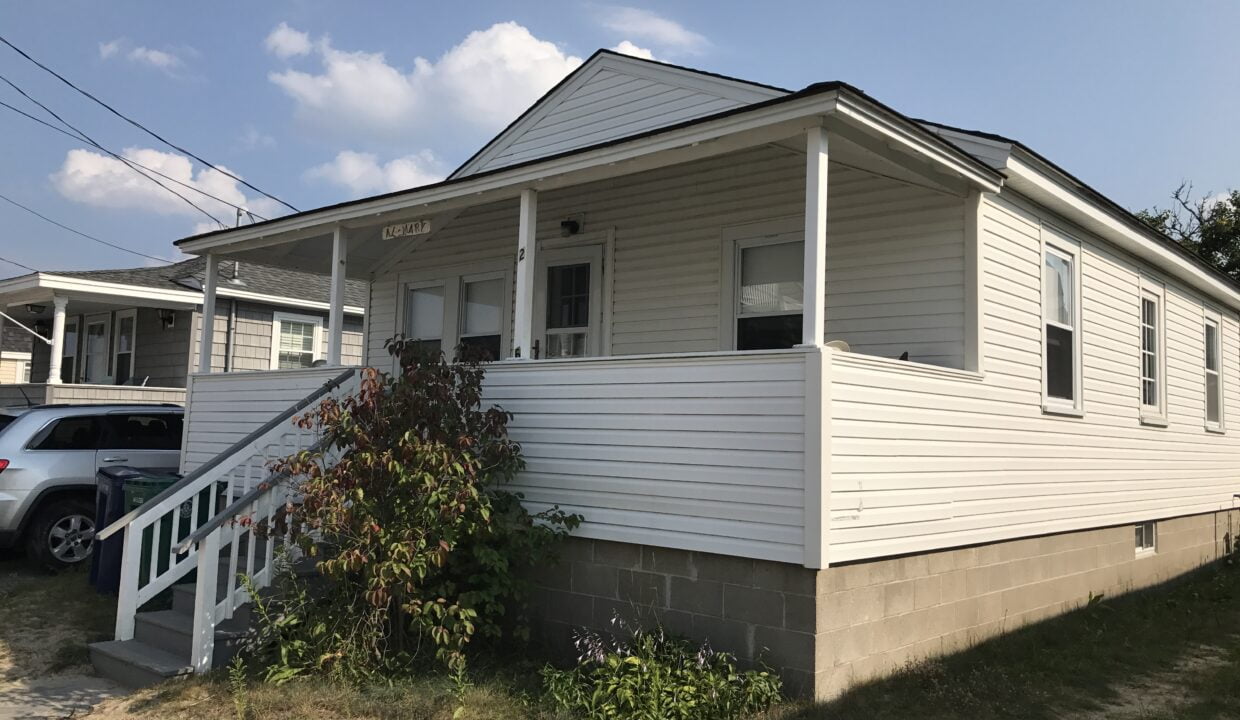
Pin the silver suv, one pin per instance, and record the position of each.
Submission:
(48, 458)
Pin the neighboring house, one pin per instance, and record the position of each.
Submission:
(15, 345)
(131, 335)
(829, 385)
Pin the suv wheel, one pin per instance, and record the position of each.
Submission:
(62, 534)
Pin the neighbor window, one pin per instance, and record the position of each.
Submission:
(1061, 327)
(1213, 374)
(296, 341)
(1145, 537)
(1153, 344)
(122, 359)
(68, 361)
(769, 295)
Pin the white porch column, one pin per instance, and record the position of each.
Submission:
(527, 250)
(58, 339)
(335, 315)
(813, 323)
(209, 282)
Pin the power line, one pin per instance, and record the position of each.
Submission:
(78, 232)
(14, 262)
(139, 125)
(79, 138)
(88, 139)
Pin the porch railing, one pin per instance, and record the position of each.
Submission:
(155, 556)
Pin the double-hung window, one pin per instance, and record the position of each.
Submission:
(482, 314)
(467, 307)
(769, 293)
(296, 341)
(424, 322)
(1061, 320)
(1153, 354)
(1213, 371)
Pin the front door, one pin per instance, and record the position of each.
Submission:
(95, 349)
(568, 302)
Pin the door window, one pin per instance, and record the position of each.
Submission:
(95, 355)
(568, 310)
(151, 431)
(424, 308)
(482, 316)
(68, 362)
(71, 433)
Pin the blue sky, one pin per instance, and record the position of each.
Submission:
(319, 102)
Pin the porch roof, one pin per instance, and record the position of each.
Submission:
(866, 125)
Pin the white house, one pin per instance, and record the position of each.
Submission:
(829, 385)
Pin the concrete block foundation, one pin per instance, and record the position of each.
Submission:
(825, 630)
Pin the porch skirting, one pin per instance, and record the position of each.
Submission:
(825, 630)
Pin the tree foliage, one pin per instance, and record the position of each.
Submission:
(1208, 225)
(422, 548)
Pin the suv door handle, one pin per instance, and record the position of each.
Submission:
(116, 459)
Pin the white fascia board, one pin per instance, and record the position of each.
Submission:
(14, 355)
(897, 129)
(1032, 178)
(282, 301)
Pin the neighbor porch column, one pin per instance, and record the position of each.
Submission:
(209, 281)
(335, 315)
(814, 312)
(58, 339)
(527, 249)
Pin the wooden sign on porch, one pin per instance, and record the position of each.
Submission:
(416, 227)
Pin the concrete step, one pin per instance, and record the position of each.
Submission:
(134, 664)
(172, 631)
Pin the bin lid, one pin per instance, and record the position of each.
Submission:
(140, 475)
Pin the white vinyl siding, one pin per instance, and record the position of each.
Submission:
(895, 254)
(924, 460)
(701, 453)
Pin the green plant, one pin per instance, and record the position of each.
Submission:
(649, 675)
(238, 687)
(422, 549)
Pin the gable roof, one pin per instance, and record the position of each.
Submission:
(188, 275)
(610, 96)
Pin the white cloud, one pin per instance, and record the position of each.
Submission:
(654, 28)
(253, 138)
(363, 174)
(627, 48)
(97, 179)
(155, 58)
(484, 81)
(285, 42)
(164, 60)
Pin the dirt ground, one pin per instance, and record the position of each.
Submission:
(46, 622)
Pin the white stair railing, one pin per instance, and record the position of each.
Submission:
(157, 553)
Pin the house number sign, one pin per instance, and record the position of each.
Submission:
(417, 227)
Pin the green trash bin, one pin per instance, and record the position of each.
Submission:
(140, 486)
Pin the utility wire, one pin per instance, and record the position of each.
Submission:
(139, 125)
(14, 262)
(88, 139)
(80, 138)
(77, 232)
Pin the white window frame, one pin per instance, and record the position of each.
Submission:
(1155, 291)
(505, 309)
(733, 240)
(452, 279)
(550, 255)
(23, 372)
(72, 353)
(1058, 243)
(116, 340)
(104, 319)
(278, 318)
(1139, 545)
(1213, 317)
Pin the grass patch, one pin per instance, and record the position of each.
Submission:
(1167, 652)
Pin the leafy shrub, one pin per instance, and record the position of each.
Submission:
(421, 549)
(650, 675)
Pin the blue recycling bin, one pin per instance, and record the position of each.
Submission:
(111, 505)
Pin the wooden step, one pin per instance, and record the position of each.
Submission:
(173, 632)
(135, 664)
